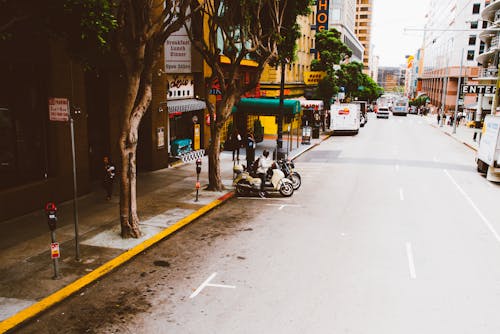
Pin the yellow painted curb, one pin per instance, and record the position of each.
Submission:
(80, 283)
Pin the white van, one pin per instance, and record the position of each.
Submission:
(345, 117)
(488, 154)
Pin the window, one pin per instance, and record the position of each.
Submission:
(475, 8)
(481, 47)
(485, 24)
(470, 55)
(472, 40)
(473, 25)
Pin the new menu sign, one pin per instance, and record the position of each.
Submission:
(322, 15)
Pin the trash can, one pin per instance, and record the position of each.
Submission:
(315, 132)
(306, 135)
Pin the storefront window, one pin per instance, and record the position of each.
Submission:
(23, 105)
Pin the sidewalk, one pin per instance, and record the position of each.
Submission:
(463, 134)
(166, 202)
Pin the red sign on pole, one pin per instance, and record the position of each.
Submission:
(58, 109)
(54, 250)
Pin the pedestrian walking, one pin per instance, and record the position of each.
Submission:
(109, 176)
(438, 117)
(236, 142)
(250, 149)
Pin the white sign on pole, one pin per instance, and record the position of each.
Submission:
(58, 109)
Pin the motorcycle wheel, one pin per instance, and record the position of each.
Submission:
(286, 189)
(241, 190)
(296, 180)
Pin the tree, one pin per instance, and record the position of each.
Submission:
(371, 91)
(350, 77)
(332, 51)
(238, 30)
(143, 27)
(357, 84)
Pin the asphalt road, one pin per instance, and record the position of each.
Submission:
(393, 231)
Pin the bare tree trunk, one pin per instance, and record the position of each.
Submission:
(214, 175)
(132, 115)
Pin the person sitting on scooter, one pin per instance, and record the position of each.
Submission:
(264, 164)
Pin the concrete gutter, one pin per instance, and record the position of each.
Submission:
(99, 272)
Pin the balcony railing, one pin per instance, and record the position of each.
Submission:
(489, 72)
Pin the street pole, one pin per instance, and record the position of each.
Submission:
(458, 92)
(445, 89)
(75, 189)
(279, 142)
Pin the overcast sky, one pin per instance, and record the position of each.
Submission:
(390, 17)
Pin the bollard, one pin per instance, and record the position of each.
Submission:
(51, 211)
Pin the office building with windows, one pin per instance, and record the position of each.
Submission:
(363, 27)
(342, 16)
(488, 57)
(451, 39)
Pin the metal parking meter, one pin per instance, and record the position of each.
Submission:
(51, 212)
(198, 171)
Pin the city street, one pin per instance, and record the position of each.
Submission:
(392, 231)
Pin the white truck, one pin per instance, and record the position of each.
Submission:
(488, 154)
(345, 117)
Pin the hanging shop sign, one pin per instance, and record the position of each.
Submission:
(322, 15)
(178, 52)
(58, 109)
(180, 86)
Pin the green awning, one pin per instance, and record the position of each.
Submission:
(266, 107)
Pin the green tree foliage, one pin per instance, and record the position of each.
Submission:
(419, 101)
(371, 91)
(332, 51)
(356, 83)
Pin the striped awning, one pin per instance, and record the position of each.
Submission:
(180, 106)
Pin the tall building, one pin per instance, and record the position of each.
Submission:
(342, 16)
(391, 78)
(451, 38)
(363, 27)
(489, 57)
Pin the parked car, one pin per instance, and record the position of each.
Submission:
(383, 112)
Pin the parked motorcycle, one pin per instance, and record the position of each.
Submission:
(246, 184)
(288, 166)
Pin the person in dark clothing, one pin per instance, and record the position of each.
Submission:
(250, 150)
(236, 141)
(109, 176)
